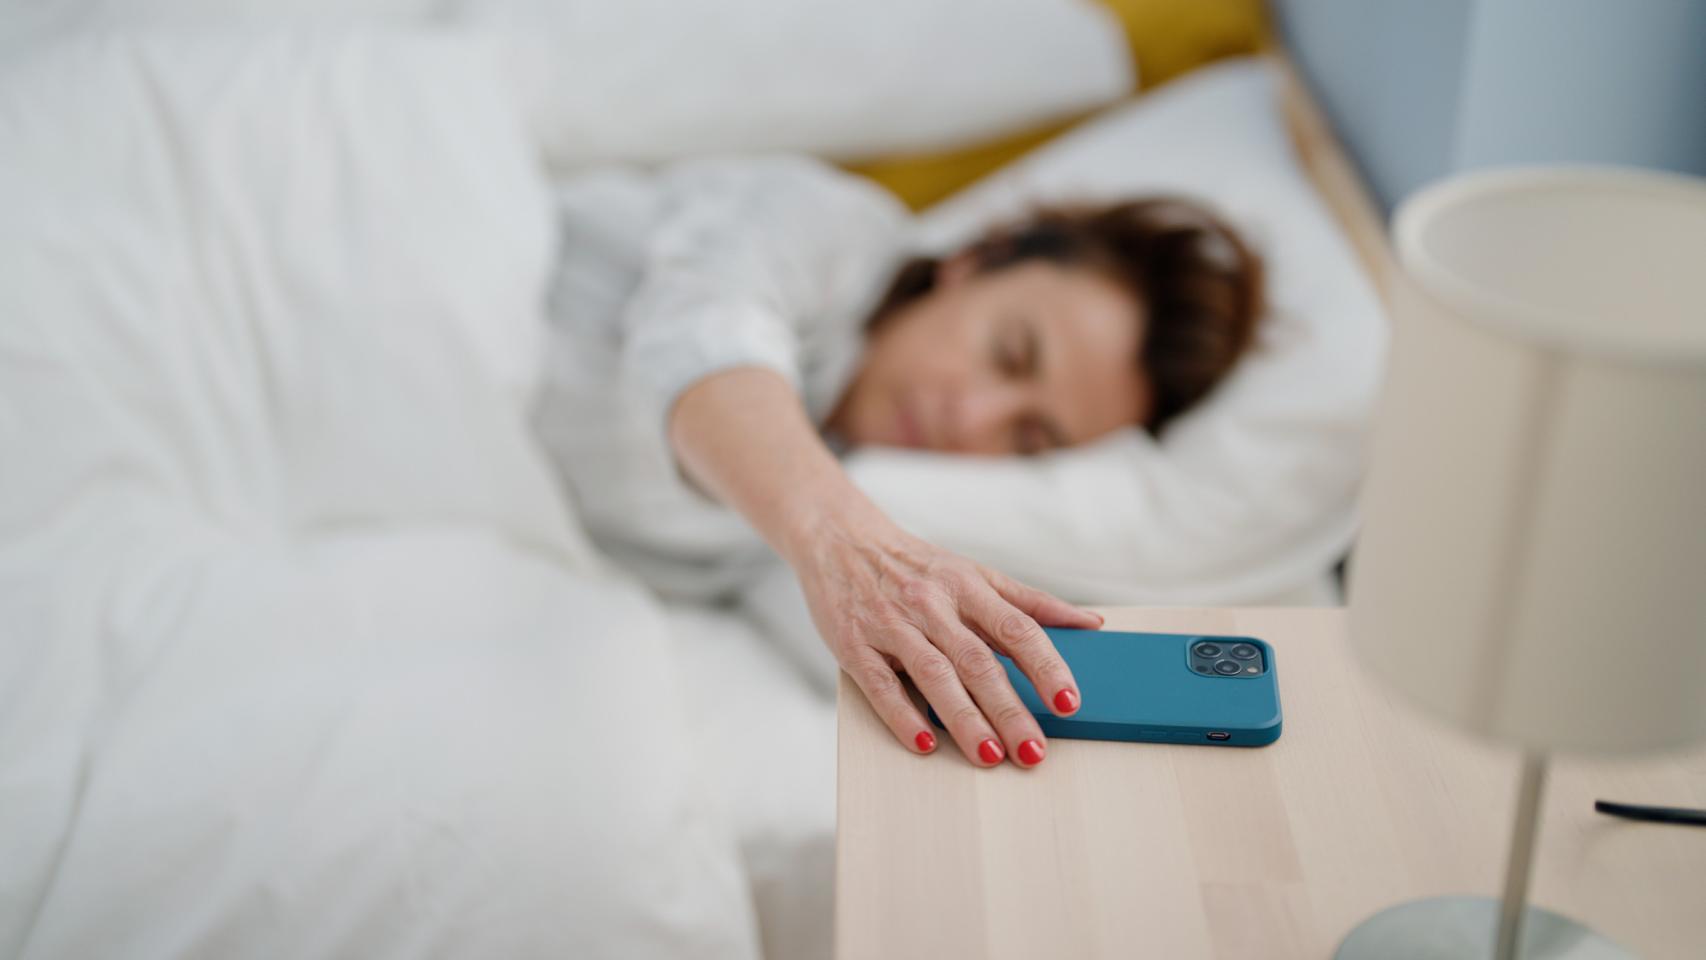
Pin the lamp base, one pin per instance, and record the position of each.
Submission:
(1458, 928)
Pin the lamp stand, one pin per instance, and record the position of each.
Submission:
(1456, 928)
(1520, 866)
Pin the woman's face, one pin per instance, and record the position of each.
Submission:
(1018, 360)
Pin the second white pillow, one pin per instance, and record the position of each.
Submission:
(648, 80)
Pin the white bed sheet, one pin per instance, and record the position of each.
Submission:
(400, 743)
(771, 736)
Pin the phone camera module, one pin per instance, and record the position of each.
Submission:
(1226, 657)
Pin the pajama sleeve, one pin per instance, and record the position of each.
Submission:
(747, 258)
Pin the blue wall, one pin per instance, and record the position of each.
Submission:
(1420, 89)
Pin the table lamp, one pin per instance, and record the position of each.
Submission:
(1532, 563)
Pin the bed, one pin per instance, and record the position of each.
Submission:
(297, 666)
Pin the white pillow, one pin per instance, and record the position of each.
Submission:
(1247, 499)
(644, 80)
(32, 25)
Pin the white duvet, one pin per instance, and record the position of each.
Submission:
(301, 654)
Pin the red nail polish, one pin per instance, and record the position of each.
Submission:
(1066, 701)
(926, 741)
(990, 751)
(1030, 753)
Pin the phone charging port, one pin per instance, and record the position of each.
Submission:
(1219, 735)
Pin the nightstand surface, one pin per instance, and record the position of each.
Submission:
(1180, 852)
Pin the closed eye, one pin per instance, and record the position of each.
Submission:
(1030, 351)
(1017, 352)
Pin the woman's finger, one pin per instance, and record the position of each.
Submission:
(937, 678)
(1019, 636)
(870, 670)
(1045, 608)
(989, 685)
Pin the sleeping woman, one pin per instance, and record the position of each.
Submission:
(722, 329)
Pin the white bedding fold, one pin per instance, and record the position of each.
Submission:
(300, 652)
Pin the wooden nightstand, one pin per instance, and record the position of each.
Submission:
(1180, 852)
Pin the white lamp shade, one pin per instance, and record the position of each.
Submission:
(1532, 564)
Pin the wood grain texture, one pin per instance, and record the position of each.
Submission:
(1179, 852)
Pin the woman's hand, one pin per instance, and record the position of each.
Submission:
(886, 601)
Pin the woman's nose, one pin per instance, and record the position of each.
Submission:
(984, 418)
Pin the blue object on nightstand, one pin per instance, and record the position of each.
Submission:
(1162, 688)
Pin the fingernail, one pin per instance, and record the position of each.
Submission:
(926, 741)
(1030, 753)
(1066, 701)
(990, 751)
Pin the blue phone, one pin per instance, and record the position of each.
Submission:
(1162, 688)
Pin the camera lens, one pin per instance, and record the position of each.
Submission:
(1227, 667)
(1209, 650)
(1244, 651)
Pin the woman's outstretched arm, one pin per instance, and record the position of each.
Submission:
(882, 599)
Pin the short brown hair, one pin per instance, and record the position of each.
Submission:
(1200, 284)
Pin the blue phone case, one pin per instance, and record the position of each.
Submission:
(1143, 686)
